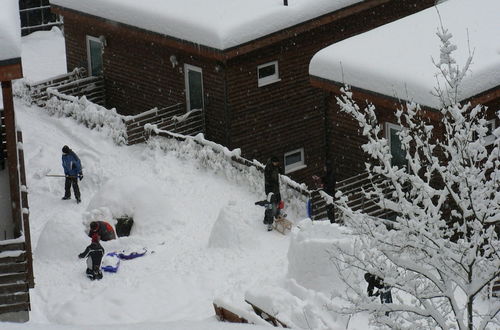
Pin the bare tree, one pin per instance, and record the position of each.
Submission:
(441, 252)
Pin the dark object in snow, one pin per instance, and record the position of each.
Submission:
(268, 317)
(131, 255)
(103, 229)
(272, 173)
(384, 291)
(124, 226)
(94, 253)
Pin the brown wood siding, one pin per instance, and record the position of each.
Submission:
(265, 121)
(290, 114)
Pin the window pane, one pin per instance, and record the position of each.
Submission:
(293, 158)
(398, 154)
(95, 58)
(267, 71)
(195, 90)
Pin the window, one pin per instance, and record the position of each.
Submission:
(194, 87)
(268, 73)
(94, 55)
(294, 160)
(490, 138)
(397, 152)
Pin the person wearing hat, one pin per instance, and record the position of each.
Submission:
(72, 171)
(94, 254)
(272, 173)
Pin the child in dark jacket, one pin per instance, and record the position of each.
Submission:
(94, 253)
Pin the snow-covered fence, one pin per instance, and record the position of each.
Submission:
(228, 162)
(172, 118)
(36, 92)
(90, 114)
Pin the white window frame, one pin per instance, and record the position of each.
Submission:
(489, 139)
(269, 79)
(188, 67)
(89, 58)
(295, 166)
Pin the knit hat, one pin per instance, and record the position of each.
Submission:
(274, 159)
(65, 150)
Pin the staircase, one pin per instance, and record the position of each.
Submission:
(74, 83)
(14, 281)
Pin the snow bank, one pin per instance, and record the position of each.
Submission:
(310, 254)
(396, 59)
(230, 230)
(304, 298)
(10, 30)
(219, 24)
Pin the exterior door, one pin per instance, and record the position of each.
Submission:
(397, 152)
(194, 87)
(94, 56)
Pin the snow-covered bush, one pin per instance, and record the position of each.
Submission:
(441, 253)
(90, 114)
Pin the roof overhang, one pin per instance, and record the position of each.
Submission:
(11, 69)
(225, 54)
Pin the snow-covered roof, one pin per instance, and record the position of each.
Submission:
(220, 24)
(396, 59)
(10, 30)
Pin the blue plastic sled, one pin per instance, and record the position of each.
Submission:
(110, 262)
(125, 255)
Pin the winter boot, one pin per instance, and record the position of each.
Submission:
(78, 201)
(269, 227)
(66, 198)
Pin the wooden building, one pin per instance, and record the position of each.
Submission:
(400, 69)
(244, 63)
(16, 272)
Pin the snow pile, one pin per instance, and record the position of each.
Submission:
(310, 256)
(230, 231)
(10, 30)
(303, 299)
(220, 24)
(396, 59)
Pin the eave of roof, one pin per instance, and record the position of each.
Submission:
(226, 54)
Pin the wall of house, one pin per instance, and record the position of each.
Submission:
(290, 114)
(262, 121)
(139, 75)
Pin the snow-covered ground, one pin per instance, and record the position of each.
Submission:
(204, 235)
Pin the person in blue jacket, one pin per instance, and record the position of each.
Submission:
(73, 171)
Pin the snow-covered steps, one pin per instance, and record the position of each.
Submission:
(14, 281)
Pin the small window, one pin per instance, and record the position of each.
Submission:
(268, 73)
(490, 138)
(294, 160)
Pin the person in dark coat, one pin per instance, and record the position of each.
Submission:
(94, 254)
(72, 171)
(103, 229)
(384, 291)
(272, 173)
